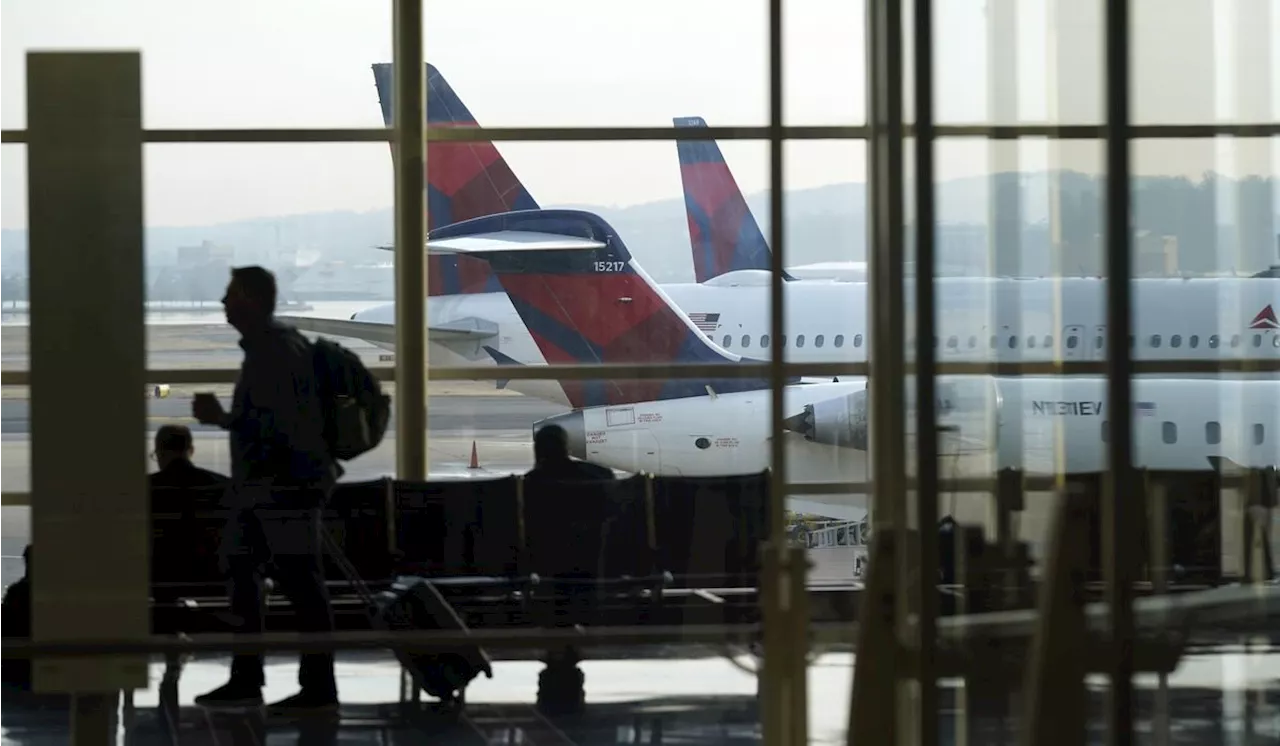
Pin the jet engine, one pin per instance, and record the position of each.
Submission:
(838, 422)
(968, 416)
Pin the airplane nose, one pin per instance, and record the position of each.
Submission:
(575, 428)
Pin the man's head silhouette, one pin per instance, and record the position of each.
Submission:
(250, 300)
(550, 444)
(173, 443)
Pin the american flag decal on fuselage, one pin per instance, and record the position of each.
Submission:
(706, 322)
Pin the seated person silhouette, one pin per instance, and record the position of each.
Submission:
(173, 451)
(183, 548)
(551, 460)
(565, 543)
(17, 624)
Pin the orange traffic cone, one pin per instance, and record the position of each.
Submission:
(475, 459)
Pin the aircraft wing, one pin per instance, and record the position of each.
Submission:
(386, 333)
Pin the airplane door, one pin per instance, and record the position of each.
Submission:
(1075, 344)
(1098, 345)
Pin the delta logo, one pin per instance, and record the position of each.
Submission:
(1266, 319)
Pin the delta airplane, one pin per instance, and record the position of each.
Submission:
(982, 319)
(721, 225)
(723, 233)
(576, 286)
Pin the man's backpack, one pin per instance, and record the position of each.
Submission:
(356, 412)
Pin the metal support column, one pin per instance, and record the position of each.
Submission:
(409, 118)
(1119, 508)
(924, 590)
(84, 159)
(784, 683)
(873, 707)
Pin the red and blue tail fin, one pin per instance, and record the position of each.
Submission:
(724, 234)
(464, 180)
(585, 301)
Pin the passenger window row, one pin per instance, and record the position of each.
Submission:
(1072, 341)
(818, 341)
(1212, 432)
(1176, 341)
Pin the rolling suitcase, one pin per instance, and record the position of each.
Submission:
(414, 602)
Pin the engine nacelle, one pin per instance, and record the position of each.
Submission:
(837, 422)
(968, 416)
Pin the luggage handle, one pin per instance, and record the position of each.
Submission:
(344, 564)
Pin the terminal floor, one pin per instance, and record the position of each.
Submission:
(1216, 697)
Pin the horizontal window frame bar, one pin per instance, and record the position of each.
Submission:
(1033, 484)
(743, 370)
(509, 639)
(642, 134)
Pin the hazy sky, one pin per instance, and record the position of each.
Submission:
(300, 63)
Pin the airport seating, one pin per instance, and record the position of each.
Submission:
(709, 529)
(590, 546)
(630, 551)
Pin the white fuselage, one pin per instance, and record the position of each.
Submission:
(1042, 425)
(979, 320)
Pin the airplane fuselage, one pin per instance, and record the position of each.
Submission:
(979, 320)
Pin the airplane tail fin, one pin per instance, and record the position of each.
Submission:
(724, 234)
(584, 299)
(464, 180)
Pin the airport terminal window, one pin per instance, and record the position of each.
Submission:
(799, 340)
(1155, 340)
(1175, 340)
(857, 340)
(1212, 433)
(728, 340)
(764, 340)
(1071, 342)
(746, 340)
(817, 341)
(1169, 431)
(1213, 341)
(1259, 433)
